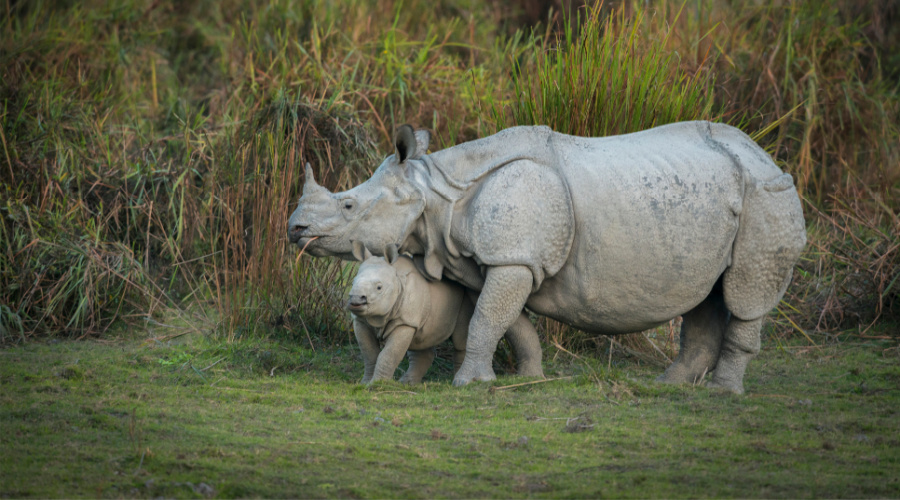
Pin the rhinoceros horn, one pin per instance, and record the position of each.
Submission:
(310, 186)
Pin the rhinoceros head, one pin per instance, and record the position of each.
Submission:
(378, 212)
(376, 286)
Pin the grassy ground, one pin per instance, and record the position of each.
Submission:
(127, 419)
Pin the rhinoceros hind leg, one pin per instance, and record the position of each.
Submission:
(701, 339)
(741, 344)
(419, 363)
(506, 288)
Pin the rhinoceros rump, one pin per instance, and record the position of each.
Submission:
(610, 235)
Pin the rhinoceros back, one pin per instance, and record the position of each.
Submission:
(656, 216)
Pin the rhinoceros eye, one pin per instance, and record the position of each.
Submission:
(347, 204)
(378, 287)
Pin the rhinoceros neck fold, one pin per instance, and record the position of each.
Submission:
(448, 177)
(430, 239)
(452, 172)
(463, 165)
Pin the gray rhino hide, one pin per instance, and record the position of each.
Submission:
(410, 314)
(617, 235)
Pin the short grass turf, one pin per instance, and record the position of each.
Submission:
(131, 419)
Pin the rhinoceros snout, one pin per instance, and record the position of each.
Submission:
(357, 301)
(295, 232)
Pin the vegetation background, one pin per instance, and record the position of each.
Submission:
(151, 152)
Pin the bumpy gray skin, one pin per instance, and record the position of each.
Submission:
(610, 235)
(391, 302)
(329, 235)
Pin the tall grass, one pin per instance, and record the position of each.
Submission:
(815, 58)
(604, 75)
(152, 152)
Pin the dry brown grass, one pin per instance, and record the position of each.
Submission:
(148, 147)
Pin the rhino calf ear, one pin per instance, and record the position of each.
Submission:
(405, 143)
(391, 253)
(360, 252)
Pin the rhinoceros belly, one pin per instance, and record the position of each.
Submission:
(656, 217)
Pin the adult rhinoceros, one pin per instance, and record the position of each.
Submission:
(609, 235)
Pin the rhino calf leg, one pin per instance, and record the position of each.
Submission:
(702, 330)
(501, 301)
(740, 346)
(368, 346)
(460, 333)
(394, 348)
(419, 363)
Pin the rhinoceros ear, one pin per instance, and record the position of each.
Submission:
(391, 253)
(360, 252)
(423, 139)
(405, 143)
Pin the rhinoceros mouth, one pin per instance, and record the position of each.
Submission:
(357, 308)
(305, 240)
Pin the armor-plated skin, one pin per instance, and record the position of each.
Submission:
(391, 302)
(328, 221)
(610, 235)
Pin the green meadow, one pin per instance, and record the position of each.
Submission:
(196, 419)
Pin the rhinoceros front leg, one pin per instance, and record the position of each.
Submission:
(368, 345)
(701, 340)
(395, 347)
(506, 288)
(741, 344)
(525, 343)
(419, 363)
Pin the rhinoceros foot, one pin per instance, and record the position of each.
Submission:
(530, 369)
(676, 378)
(482, 372)
(410, 380)
(736, 387)
(687, 370)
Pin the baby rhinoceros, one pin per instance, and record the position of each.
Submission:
(392, 303)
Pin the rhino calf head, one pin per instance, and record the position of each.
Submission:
(379, 212)
(376, 287)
